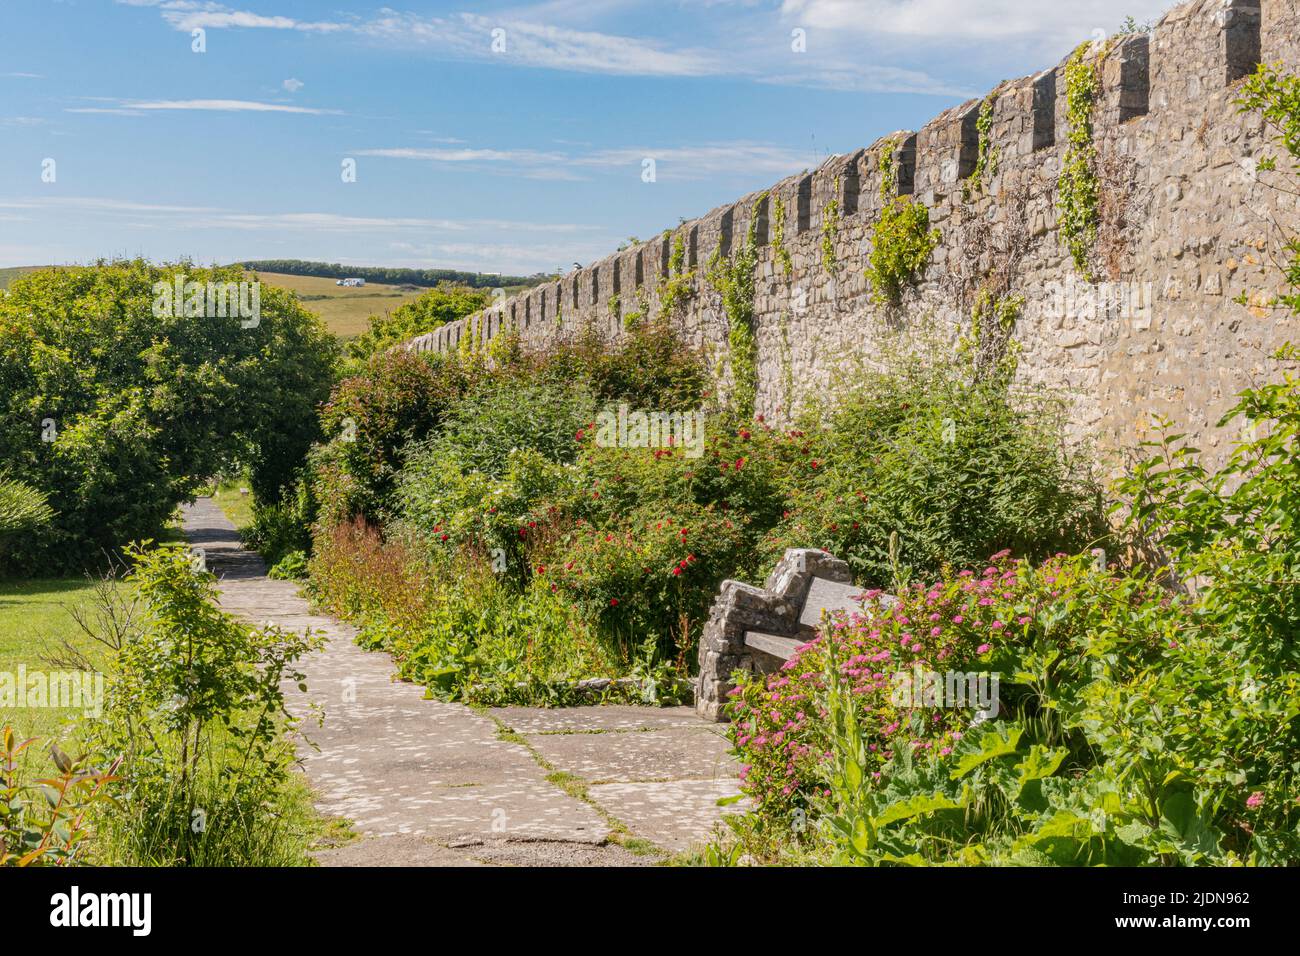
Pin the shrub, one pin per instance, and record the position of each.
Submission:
(23, 510)
(482, 429)
(1138, 723)
(955, 468)
(399, 397)
(504, 519)
(455, 625)
(277, 531)
(43, 822)
(292, 567)
(650, 578)
(779, 723)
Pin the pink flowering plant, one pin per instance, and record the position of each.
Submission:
(964, 623)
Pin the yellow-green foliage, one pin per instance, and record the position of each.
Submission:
(733, 278)
(778, 236)
(986, 160)
(679, 286)
(830, 231)
(902, 240)
(1078, 190)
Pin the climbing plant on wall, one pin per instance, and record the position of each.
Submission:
(830, 230)
(986, 157)
(732, 277)
(902, 240)
(779, 249)
(678, 288)
(1077, 190)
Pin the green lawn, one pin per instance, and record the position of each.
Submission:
(238, 507)
(35, 618)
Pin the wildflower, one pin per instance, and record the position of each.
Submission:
(613, 602)
(1255, 800)
(983, 648)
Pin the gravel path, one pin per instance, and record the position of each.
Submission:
(430, 783)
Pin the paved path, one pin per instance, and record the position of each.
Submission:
(426, 782)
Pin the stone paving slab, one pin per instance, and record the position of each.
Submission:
(675, 815)
(628, 757)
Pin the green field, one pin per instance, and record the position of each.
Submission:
(343, 310)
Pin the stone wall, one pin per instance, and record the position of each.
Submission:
(1186, 228)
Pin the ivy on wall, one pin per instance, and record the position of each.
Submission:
(986, 158)
(902, 240)
(781, 253)
(679, 287)
(733, 278)
(991, 346)
(1077, 191)
(830, 231)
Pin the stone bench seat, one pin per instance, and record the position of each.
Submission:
(756, 630)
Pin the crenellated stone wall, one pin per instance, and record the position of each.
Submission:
(1186, 227)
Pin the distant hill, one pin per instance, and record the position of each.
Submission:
(425, 278)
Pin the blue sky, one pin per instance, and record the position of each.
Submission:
(516, 160)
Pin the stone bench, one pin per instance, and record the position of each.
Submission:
(756, 630)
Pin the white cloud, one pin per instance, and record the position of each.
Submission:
(956, 20)
(192, 216)
(680, 162)
(470, 36)
(292, 85)
(224, 106)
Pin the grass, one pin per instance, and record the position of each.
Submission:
(35, 618)
(236, 505)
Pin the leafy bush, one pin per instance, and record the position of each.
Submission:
(399, 397)
(292, 567)
(277, 531)
(23, 510)
(454, 624)
(1141, 721)
(956, 468)
(506, 519)
(650, 579)
(482, 429)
